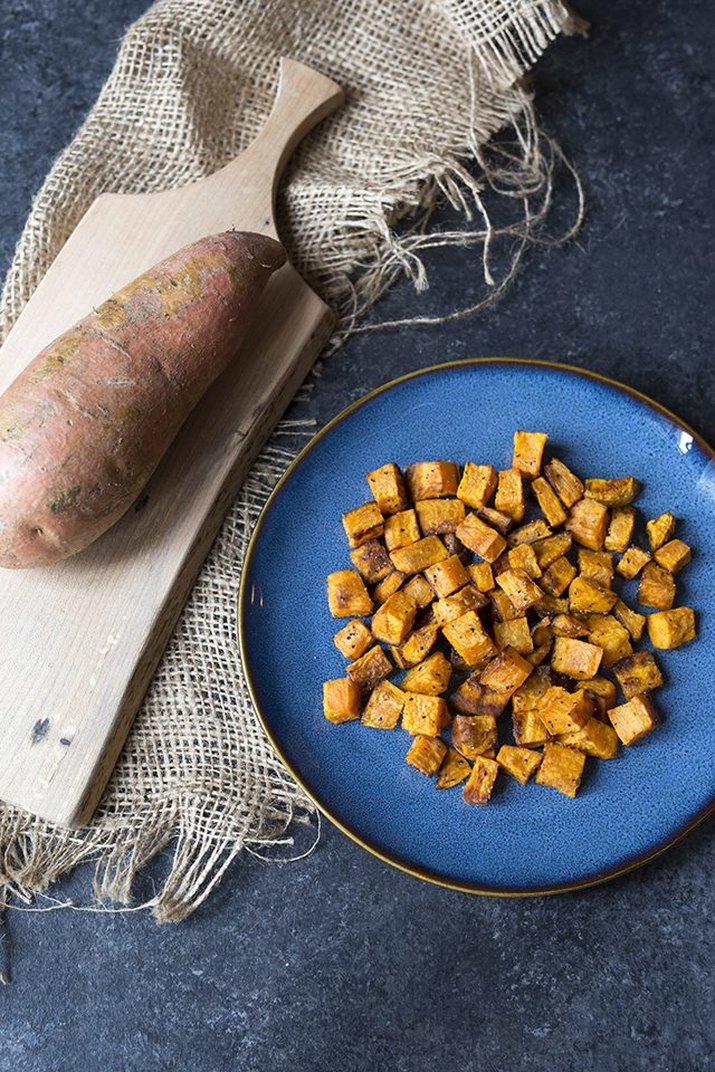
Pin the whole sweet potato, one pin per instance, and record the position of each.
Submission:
(83, 427)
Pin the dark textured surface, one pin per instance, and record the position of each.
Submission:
(338, 961)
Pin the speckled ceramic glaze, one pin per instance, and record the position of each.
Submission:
(529, 838)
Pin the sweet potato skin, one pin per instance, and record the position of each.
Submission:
(86, 423)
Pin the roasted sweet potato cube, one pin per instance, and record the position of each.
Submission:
(419, 644)
(576, 658)
(430, 676)
(393, 622)
(384, 707)
(539, 655)
(542, 633)
(499, 521)
(401, 530)
(596, 738)
(633, 561)
(673, 555)
(454, 606)
(506, 671)
(660, 530)
(363, 523)
(419, 590)
(509, 499)
(470, 639)
(528, 695)
(568, 626)
(473, 735)
(601, 686)
(501, 564)
(638, 673)
(473, 698)
(564, 712)
(549, 503)
(531, 533)
(482, 576)
(566, 484)
(588, 523)
(670, 628)
(521, 763)
(481, 538)
(547, 551)
(631, 619)
(447, 576)
(370, 669)
(620, 530)
(610, 635)
(479, 786)
(514, 634)
(528, 729)
(633, 720)
(388, 488)
(418, 556)
(455, 768)
(382, 591)
(528, 451)
(549, 606)
(504, 609)
(426, 754)
(585, 597)
(341, 700)
(347, 595)
(656, 587)
(557, 577)
(520, 589)
(424, 714)
(523, 557)
(432, 480)
(353, 639)
(477, 485)
(620, 491)
(371, 561)
(438, 517)
(596, 566)
(561, 768)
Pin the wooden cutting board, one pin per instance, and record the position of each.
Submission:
(79, 642)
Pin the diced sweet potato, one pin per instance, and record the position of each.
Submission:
(470, 639)
(506, 672)
(610, 635)
(638, 673)
(370, 669)
(477, 485)
(633, 561)
(388, 488)
(603, 687)
(673, 555)
(401, 530)
(531, 533)
(585, 597)
(454, 606)
(576, 658)
(432, 480)
(564, 712)
(656, 587)
(558, 577)
(514, 634)
(482, 576)
(528, 695)
(561, 768)
(618, 492)
(568, 626)
(528, 729)
(419, 644)
(363, 523)
(509, 498)
(551, 548)
(499, 521)
(447, 576)
(479, 786)
(439, 516)
(474, 735)
(633, 720)
(549, 606)
(425, 754)
(528, 451)
(503, 608)
(501, 564)
(588, 523)
(481, 538)
(384, 707)
(549, 503)
(371, 561)
(382, 591)
(631, 619)
(393, 621)
(424, 714)
(620, 530)
(660, 530)
(347, 595)
(430, 677)
(539, 654)
(670, 628)
(455, 768)
(566, 484)
(523, 557)
(596, 566)
(418, 556)
(520, 589)
(594, 739)
(341, 700)
(521, 763)
(353, 639)
(419, 590)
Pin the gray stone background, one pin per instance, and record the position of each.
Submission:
(339, 962)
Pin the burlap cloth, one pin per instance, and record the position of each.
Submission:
(428, 83)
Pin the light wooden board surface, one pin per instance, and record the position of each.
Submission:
(80, 641)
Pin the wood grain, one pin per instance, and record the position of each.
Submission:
(80, 641)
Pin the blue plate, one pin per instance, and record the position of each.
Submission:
(529, 839)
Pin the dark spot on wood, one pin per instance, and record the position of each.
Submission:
(140, 503)
(65, 741)
(40, 730)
